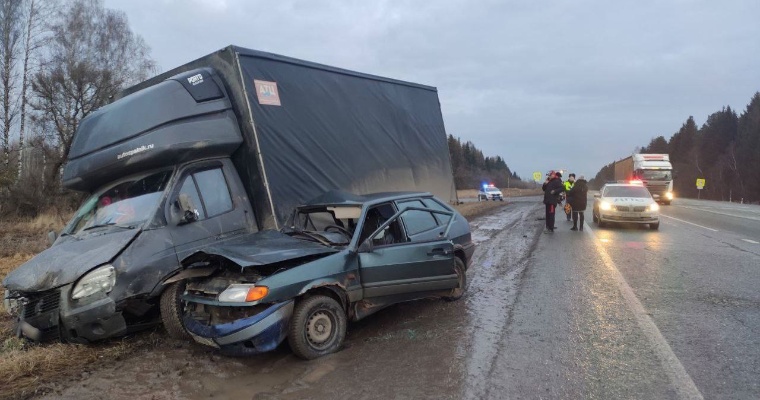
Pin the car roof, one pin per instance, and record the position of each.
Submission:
(339, 197)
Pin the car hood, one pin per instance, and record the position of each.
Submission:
(260, 248)
(68, 260)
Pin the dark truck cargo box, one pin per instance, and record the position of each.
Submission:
(309, 128)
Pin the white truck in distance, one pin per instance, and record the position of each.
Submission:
(653, 170)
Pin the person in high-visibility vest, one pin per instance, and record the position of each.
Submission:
(569, 183)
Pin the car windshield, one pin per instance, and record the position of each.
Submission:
(491, 190)
(655, 174)
(336, 224)
(626, 191)
(125, 204)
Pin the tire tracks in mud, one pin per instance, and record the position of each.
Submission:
(506, 242)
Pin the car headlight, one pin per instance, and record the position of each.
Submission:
(605, 205)
(653, 207)
(669, 195)
(98, 280)
(243, 293)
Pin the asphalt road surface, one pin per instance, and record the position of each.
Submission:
(620, 312)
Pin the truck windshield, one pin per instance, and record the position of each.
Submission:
(654, 174)
(125, 204)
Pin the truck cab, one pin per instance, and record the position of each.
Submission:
(656, 173)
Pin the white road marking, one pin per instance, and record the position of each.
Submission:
(687, 222)
(684, 385)
(751, 241)
(702, 208)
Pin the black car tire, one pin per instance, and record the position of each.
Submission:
(654, 227)
(461, 272)
(171, 311)
(594, 218)
(310, 314)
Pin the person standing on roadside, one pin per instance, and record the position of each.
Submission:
(577, 198)
(569, 185)
(552, 189)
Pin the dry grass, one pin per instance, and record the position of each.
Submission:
(21, 236)
(478, 208)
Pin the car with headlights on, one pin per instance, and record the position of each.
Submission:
(626, 203)
(340, 258)
(490, 192)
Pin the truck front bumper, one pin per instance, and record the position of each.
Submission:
(261, 332)
(52, 315)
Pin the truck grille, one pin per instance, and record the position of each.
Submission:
(41, 303)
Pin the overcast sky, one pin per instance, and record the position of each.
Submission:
(545, 84)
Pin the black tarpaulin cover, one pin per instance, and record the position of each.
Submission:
(336, 129)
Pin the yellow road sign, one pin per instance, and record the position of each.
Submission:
(700, 183)
(537, 176)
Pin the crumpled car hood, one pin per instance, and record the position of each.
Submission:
(260, 248)
(67, 261)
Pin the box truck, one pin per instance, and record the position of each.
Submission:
(224, 145)
(653, 170)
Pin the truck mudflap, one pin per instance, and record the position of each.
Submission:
(257, 334)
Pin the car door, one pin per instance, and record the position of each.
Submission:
(407, 267)
(217, 218)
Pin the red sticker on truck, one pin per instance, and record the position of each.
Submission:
(267, 92)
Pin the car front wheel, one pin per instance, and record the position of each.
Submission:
(654, 227)
(317, 328)
(171, 311)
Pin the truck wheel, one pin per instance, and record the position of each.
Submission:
(171, 311)
(317, 328)
(458, 292)
(654, 227)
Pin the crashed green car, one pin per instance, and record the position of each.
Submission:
(340, 258)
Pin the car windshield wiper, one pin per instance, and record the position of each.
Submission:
(109, 224)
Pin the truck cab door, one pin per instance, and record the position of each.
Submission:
(203, 209)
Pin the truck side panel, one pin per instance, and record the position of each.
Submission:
(335, 130)
(624, 169)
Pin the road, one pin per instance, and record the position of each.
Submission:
(617, 312)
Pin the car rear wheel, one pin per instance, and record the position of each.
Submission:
(171, 311)
(317, 328)
(461, 272)
(654, 227)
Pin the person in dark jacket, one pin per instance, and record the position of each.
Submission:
(552, 188)
(578, 201)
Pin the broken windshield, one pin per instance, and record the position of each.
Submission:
(126, 204)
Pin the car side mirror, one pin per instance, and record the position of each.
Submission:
(51, 237)
(597, 195)
(187, 209)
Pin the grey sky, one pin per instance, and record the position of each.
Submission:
(545, 84)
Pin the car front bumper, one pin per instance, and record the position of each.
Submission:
(262, 332)
(630, 217)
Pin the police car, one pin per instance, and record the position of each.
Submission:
(626, 202)
(490, 192)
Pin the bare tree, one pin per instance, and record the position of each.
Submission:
(35, 38)
(10, 33)
(93, 55)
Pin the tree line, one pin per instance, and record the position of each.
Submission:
(60, 60)
(471, 168)
(725, 151)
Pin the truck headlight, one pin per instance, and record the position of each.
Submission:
(653, 207)
(605, 205)
(98, 280)
(11, 304)
(669, 195)
(243, 293)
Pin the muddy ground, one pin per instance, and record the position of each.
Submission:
(425, 349)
